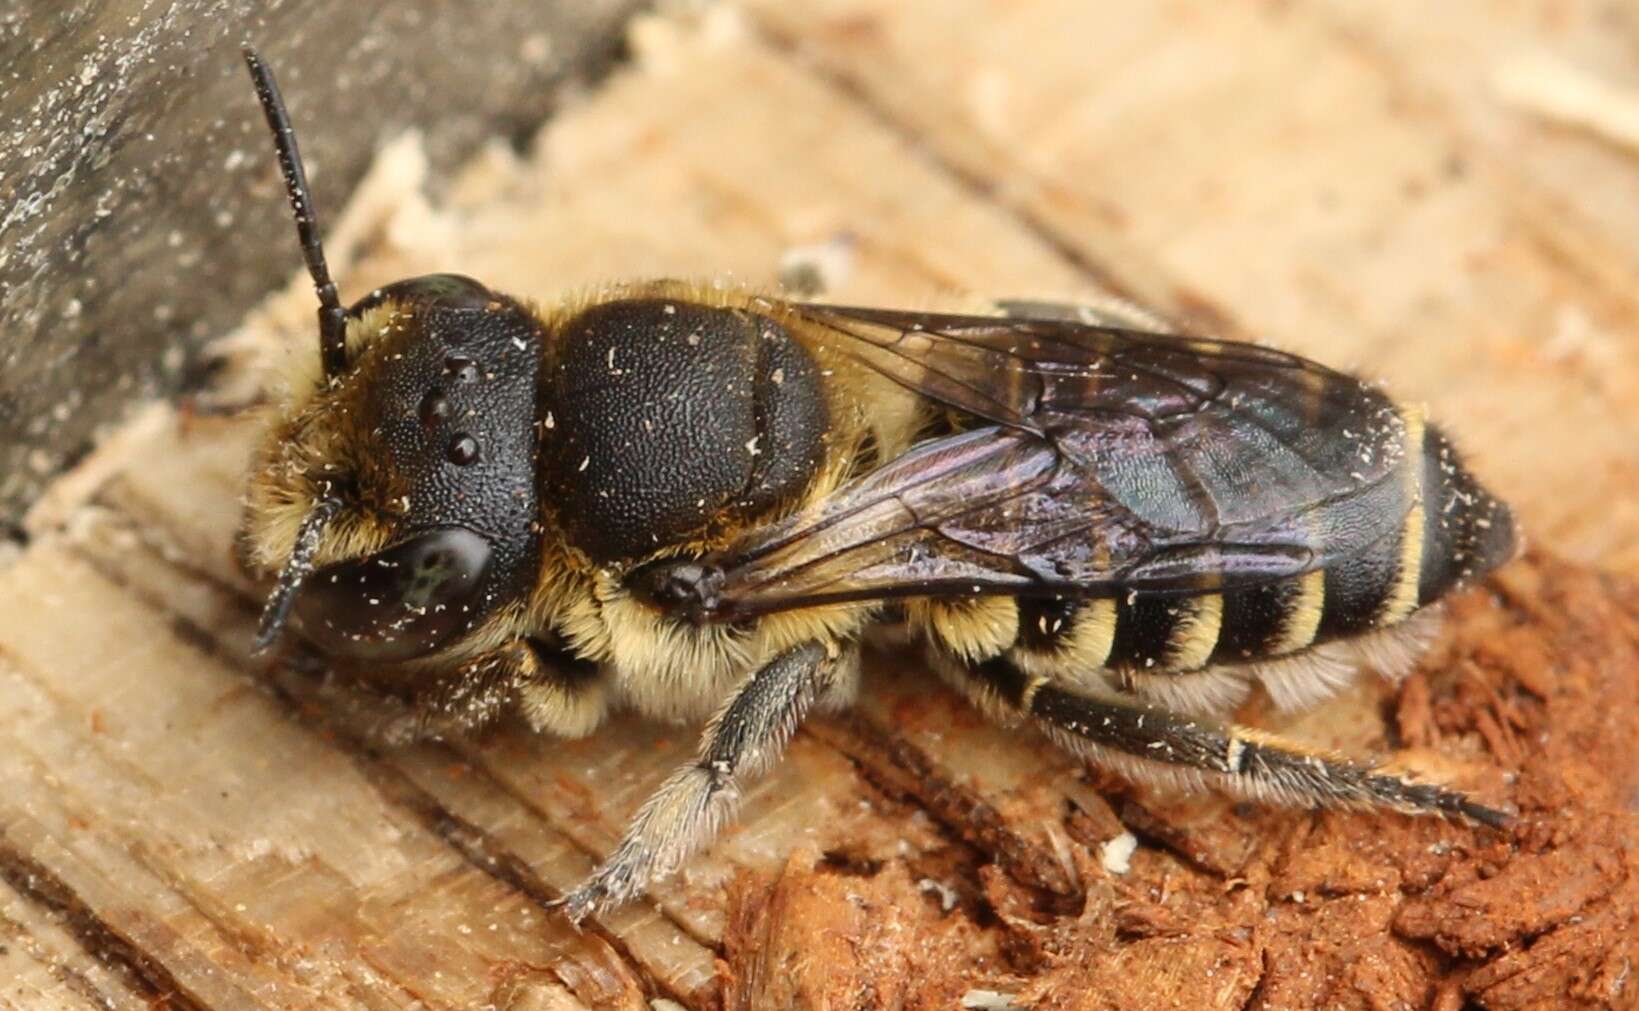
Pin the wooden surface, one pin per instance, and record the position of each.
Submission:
(136, 182)
(182, 825)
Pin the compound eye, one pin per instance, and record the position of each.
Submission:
(402, 603)
(446, 291)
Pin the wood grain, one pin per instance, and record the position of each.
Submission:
(1341, 183)
(45, 962)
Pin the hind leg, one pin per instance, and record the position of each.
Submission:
(1146, 742)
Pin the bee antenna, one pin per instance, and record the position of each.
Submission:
(332, 319)
(277, 610)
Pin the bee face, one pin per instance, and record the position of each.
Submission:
(404, 484)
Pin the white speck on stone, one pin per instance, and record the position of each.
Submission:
(989, 1000)
(1116, 854)
(947, 895)
(535, 49)
(818, 268)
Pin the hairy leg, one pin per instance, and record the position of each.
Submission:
(1147, 742)
(745, 738)
(557, 692)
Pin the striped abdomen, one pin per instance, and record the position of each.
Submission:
(1432, 527)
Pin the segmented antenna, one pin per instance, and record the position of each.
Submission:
(332, 319)
(277, 610)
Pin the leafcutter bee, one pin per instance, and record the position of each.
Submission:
(696, 501)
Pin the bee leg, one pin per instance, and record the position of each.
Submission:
(1147, 742)
(468, 697)
(745, 737)
(556, 692)
(398, 712)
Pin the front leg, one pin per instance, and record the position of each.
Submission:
(745, 738)
(557, 693)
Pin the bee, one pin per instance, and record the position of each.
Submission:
(696, 502)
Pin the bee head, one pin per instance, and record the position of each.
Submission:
(395, 495)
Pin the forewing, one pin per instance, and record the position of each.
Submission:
(1115, 461)
(1030, 373)
(987, 511)
(1191, 436)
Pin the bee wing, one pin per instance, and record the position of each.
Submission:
(986, 511)
(1116, 461)
(1035, 373)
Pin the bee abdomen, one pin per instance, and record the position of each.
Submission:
(1166, 633)
(1454, 530)
(1270, 619)
(1135, 632)
(1467, 531)
(1451, 530)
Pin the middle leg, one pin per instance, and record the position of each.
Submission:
(745, 738)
